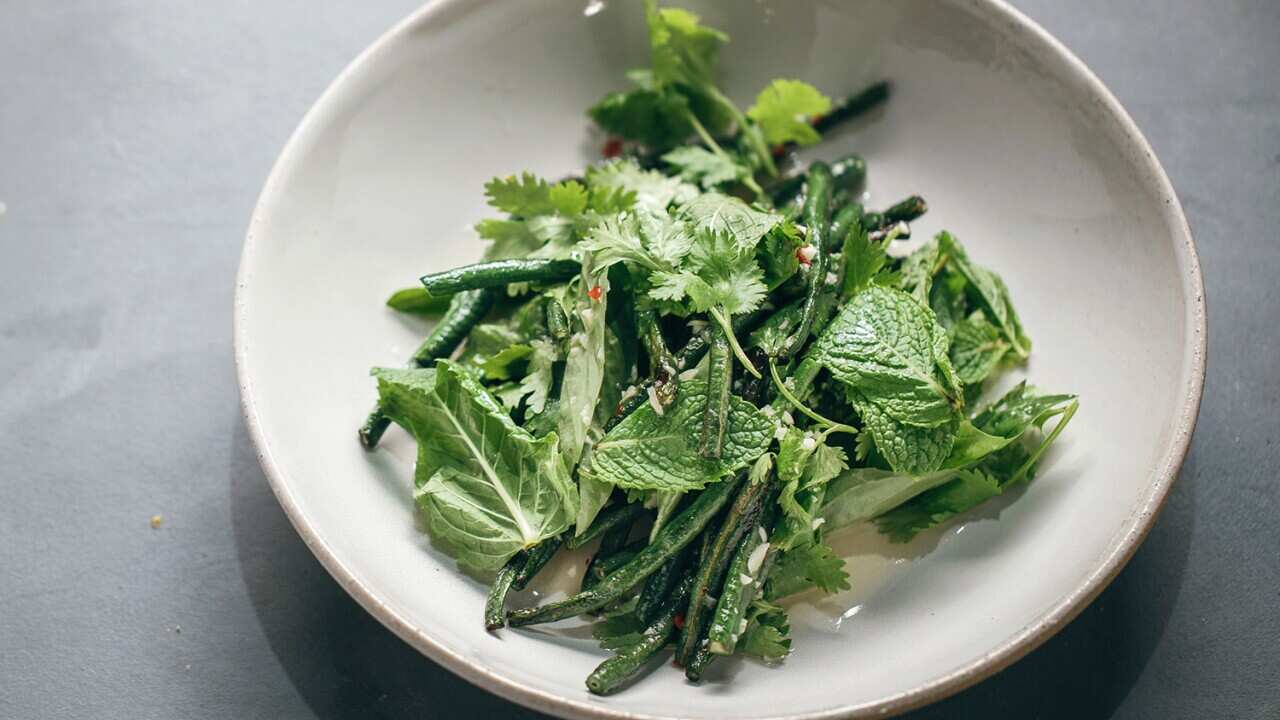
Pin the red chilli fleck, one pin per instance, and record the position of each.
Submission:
(678, 621)
(612, 148)
(595, 293)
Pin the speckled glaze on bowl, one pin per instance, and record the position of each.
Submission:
(1021, 152)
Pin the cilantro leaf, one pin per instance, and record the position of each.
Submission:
(723, 276)
(681, 50)
(529, 196)
(649, 451)
(864, 260)
(510, 239)
(783, 110)
(652, 189)
(703, 167)
(805, 465)
(805, 566)
(658, 119)
(768, 633)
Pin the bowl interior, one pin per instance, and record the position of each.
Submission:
(1018, 155)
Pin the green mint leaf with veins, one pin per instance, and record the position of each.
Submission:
(783, 111)
(705, 168)
(656, 118)
(489, 489)
(947, 299)
(805, 566)
(724, 214)
(648, 451)
(907, 448)
(993, 296)
(768, 633)
(652, 190)
(890, 350)
(977, 347)
(993, 446)
(918, 270)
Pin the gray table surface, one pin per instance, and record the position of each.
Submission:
(134, 138)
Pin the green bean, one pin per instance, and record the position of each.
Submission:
(906, 210)
(536, 558)
(697, 664)
(817, 218)
(741, 583)
(740, 517)
(601, 565)
(841, 222)
(499, 273)
(662, 364)
(688, 356)
(613, 674)
(658, 586)
(673, 537)
(611, 543)
(495, 611)
(607, 520)
(849, 172)
(853, 106)
(557, 321)
(465, 310)
(715, 414)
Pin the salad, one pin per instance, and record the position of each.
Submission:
(698, 359)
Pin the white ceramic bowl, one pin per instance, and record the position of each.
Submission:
(1020, 151)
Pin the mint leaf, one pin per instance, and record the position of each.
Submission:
(863, 493)
(918, 270)
(806, 566)
(1019, 409)
(648, 451)
(703, 167)
(888, 348)
(947, 299)
(977, 347)
(907, 448)
(991, 292)
(717, 213)
(489, 489)
(783, 111)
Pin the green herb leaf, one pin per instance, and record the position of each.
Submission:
(768, 633)
(501, 365)
(864, 260)
(417, 301)
(703, 167)
(648, 451)
(652, 189)
(528, 196)
(977, 349)
(784, 109)
(991, 292)
(885, 345)
(510, 239)
(968, 489)
(656, 118)
(682, 50)
(584, 366)
(806, 566)
(488, 487)
(907, 448)
(918, 270)
(717, 213)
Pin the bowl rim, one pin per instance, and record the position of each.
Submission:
(1122, 548)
